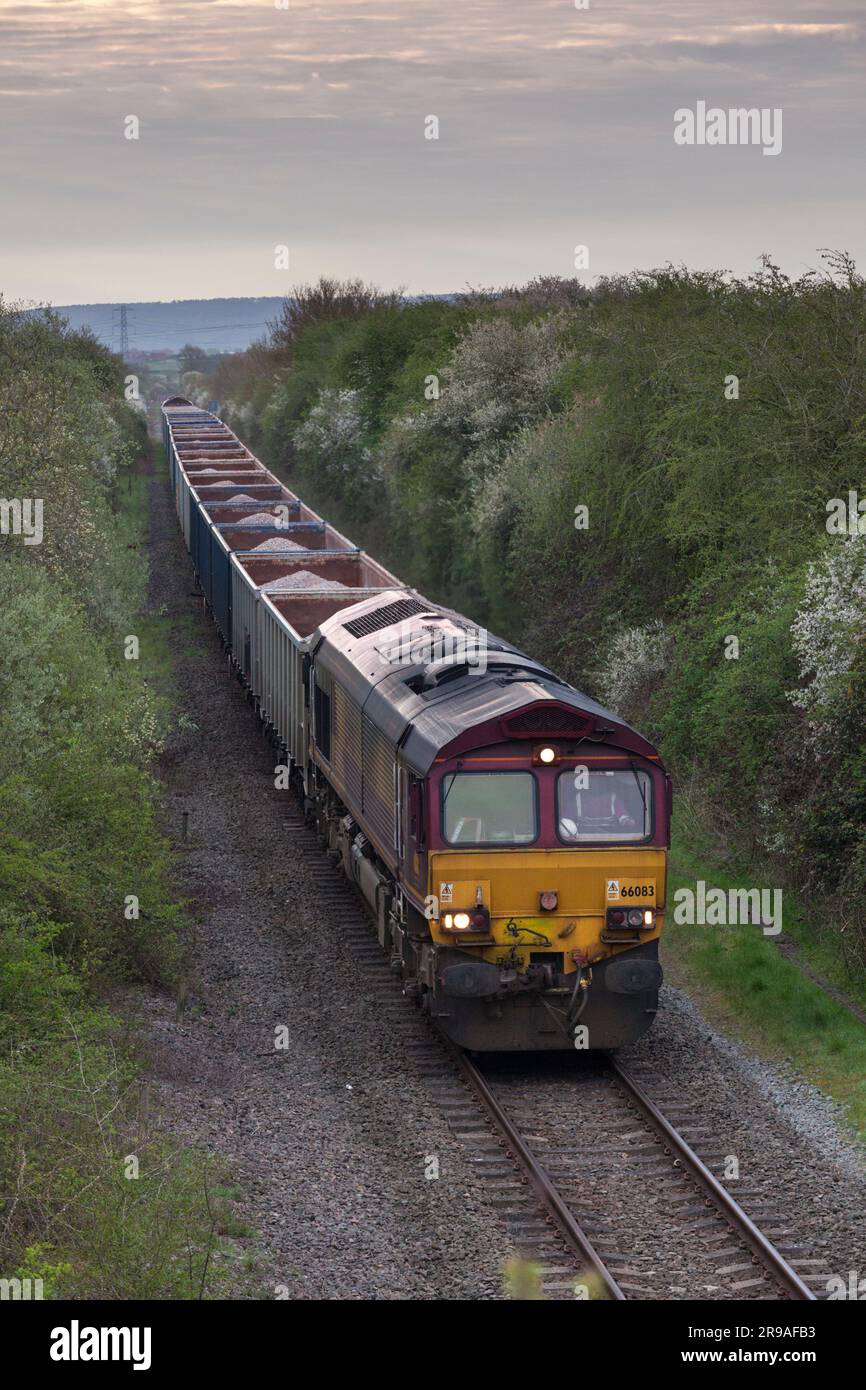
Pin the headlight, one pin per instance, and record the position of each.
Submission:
(643, 918)
(546, 755)
(477, 920)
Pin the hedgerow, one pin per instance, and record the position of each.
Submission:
(92, 1201)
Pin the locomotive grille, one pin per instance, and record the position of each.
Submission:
(384, 617)
(538, 722)
(378, 782)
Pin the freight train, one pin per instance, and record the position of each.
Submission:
(508, 834)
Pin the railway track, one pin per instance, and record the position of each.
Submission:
(629, 1194)
(601, 1192)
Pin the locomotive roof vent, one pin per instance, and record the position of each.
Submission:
(547, 720)
(384, 617)
(451, 669)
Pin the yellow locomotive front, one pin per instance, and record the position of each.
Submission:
(546, 893)
(509, 834)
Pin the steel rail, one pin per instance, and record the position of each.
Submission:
(774, 1262)
(562, 1217)
(573, 1234)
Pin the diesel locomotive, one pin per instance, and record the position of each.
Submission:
(508, 834)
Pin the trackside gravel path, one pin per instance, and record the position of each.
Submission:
(327, 1138)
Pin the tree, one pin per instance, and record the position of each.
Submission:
(192, 358)
(327, 299)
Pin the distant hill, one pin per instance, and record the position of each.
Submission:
(218, 325)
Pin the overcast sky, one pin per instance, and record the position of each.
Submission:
(262, 126)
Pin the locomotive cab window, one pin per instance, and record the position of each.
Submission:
(604, 807)
(489, 808)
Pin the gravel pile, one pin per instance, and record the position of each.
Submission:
(278, 543)
(261, 518)
(303, 579)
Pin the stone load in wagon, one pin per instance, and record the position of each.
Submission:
(302, 579)
(278, 543)
(261, 518)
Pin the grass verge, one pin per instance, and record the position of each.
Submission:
(746, 985)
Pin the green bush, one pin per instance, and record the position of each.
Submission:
(79, 839)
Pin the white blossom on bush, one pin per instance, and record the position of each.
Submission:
(232, 413)
(247, 415)
(400, 444)
(239, 416)
(143, 737)
(830, 622)
(635, 662)
(501, 377)
(97, 433)
(276, 420)
(331, 435)
(493, 498)
(772, 831)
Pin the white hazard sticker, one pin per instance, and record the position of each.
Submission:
(613, 888)
(446, 892)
